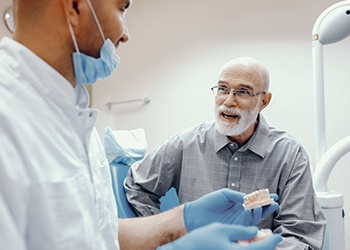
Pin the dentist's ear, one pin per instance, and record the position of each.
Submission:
(75, 6)
(73, 9)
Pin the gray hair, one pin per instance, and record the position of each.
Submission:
(254, 65)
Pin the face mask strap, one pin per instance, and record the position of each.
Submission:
(73, 36)
(96, 19)
(78, 53)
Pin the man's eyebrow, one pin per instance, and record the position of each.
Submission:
(241, 85)
(246, 86)
(222, 82)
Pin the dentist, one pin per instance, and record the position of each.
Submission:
(55, 187)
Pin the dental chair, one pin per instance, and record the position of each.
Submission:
(123, 148)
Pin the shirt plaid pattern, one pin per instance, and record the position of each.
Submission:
(200, 160)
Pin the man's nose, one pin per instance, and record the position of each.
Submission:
(125, 36)
(231, 100)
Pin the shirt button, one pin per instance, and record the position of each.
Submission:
(236, 159)
(231, 144)
(233, 184)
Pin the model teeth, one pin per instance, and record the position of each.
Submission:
(257, 198)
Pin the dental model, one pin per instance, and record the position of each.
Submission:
(262, 234)
(257, 198)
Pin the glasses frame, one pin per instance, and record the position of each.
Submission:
(234, 91)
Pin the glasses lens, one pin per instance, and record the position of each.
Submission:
(214, 90)
(223, 91)
(243, 93)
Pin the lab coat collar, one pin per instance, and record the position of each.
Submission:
(82, 97)
(42, 76)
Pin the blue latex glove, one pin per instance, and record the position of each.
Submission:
(225, 206)
(223, 237)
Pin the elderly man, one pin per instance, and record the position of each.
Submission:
(238, 151)
(55, 187)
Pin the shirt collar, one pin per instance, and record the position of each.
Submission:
(257, 143)
(220, 140)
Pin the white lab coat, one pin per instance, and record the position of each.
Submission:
(55, 182)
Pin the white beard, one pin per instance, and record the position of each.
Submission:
(247, 118)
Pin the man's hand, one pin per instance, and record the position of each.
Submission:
(225, 206)
(223, 237)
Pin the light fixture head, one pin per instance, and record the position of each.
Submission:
(333, 24)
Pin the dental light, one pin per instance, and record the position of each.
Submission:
(332, 26)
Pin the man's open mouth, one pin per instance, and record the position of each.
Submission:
(229, 116)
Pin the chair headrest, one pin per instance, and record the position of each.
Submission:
(125, 146)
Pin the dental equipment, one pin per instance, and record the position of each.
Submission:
(257, 198)
(332, 25)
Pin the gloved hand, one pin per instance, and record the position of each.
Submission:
(223, 237)
(225, 206)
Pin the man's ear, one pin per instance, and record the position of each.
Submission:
(265, 100)
(72, 10)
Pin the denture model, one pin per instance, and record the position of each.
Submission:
(257, 198)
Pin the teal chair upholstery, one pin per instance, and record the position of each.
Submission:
(118, 173)
(123, 148)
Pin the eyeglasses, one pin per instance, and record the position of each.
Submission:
(242, 93)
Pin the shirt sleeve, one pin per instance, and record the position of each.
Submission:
(148, 180)
(10, 237)
(299, 219)
(13, 196)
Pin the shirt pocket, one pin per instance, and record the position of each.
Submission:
(105, 200)
(62, 216)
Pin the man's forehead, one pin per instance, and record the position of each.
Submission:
(236, 69)
(240, 74)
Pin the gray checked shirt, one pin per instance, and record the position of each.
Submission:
(200, 160)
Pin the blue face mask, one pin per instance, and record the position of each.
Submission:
(88, 69)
